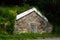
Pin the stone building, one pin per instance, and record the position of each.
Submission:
(32, 21)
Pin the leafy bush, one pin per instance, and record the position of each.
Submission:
(7, 20)
(56, 29)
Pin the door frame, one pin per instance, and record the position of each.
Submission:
(33, 27)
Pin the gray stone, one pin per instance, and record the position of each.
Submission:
(32, 22)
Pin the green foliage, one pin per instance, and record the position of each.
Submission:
(56, 29)
(7, 20)
(28, 36)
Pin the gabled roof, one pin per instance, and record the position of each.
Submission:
(28, 12)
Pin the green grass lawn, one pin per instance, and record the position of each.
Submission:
(28, 35)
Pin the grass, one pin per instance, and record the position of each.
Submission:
(28, 35)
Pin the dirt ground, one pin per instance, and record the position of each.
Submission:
(58, 38)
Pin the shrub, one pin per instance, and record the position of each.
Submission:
(8, 16)
(7, 20)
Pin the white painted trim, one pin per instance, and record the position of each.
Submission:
(28, 12)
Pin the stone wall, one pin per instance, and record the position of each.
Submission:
(31, 23)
